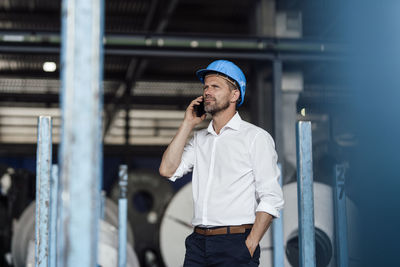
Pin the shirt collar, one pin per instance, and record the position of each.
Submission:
(233, 123)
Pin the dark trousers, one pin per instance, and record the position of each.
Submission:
(228, 250)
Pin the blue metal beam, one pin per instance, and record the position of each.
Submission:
(53, 215)
(340, 215)
(43, 169)
(277, 235)
(122, 215)
(305, 195)
(102, 204)
(81, 144)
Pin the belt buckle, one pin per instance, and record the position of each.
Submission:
(208, 231)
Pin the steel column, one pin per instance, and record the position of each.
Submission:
(102, 204)
(81, 144)
(340, 215)
(305, 197)
(53, 215)
(262, 100)
(43, 169)
(278, 122)
(122, 215)
(277, 235)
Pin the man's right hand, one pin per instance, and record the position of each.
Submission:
(190, 114)
(173, 155)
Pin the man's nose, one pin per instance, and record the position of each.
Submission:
(207, 91)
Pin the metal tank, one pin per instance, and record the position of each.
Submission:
(148, 196)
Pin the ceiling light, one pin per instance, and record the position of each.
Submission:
(49, 66)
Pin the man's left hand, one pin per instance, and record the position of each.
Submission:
(251, 246)
(261, 225)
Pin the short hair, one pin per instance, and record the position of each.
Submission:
(232, 87)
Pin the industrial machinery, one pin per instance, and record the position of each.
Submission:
(16, 192)
(148, 195)
(23, 246)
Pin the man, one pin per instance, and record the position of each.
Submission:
(235, 174)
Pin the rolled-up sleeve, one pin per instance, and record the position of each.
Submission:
(266, 173)
(187, 161)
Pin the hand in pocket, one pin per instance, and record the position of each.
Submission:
(251, 247)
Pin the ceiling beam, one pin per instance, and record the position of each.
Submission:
(53, 98)
(48, 43)
(193, 53)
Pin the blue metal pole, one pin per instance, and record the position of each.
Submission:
(81, 143)
(43, 168)
(305, 195)
(277, 235)
(340, 215)
(102, 204)
(101, 100)
(122, 215)
(53, 215)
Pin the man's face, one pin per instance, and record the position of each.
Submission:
(217, 94)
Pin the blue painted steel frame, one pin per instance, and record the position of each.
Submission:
(277, 235)
(53, 215)
(102, 204)
(340, 215)
(305, 195)
(80, 155)
(43, 169)
(122, 215)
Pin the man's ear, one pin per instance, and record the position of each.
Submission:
(235, 97)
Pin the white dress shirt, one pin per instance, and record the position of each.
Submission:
(235, 174)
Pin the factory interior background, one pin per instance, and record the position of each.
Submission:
(334, 63)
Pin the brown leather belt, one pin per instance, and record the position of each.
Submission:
(239, 229)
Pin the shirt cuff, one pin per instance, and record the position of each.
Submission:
(180, 171)
(265, 207)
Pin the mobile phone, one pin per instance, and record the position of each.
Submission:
(199, 109)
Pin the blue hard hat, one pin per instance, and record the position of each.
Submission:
(228, 69)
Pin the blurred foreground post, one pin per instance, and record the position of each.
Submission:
(80, 156)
